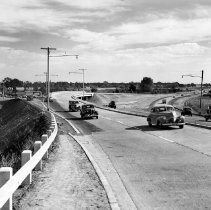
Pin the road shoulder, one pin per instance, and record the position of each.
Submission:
(68, 180)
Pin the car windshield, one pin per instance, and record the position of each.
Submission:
(88, 106)
(169, 108)
(163, 109)
(73, 102)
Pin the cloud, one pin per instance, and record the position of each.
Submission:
(93, 4)
(163, 31)
(8, 39)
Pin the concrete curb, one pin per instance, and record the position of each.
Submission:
(111, 197)
(198, 125)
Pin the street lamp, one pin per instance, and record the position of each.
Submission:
(202, 75)
(75, 72)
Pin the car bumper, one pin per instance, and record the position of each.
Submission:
(173, 124)
(90, 115)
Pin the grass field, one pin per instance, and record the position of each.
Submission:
(142, 102)
(195, 103)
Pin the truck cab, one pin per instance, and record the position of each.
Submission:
(74, 106)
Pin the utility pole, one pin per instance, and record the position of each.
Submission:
(47, 76)
(202, 76)
(75, 72)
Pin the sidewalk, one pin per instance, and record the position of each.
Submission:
(68, 181)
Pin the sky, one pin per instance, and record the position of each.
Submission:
(116, 40)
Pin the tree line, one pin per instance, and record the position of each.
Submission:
(146, 85)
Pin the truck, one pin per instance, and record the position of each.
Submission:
(74, 106)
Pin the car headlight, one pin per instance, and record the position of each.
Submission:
(180, 119)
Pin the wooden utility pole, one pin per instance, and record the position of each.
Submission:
(47, 76)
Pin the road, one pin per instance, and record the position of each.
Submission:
(160, 169)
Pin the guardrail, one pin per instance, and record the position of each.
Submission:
(9, 183)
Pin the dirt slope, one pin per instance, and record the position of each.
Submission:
(20, 125)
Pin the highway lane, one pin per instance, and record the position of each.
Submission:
(161, 169)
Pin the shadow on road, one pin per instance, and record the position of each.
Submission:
(74, 118)
(147, 128)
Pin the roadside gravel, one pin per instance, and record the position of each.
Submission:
(68, 180)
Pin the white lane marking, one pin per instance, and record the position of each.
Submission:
(120, 122)
(70, 123)
(139, 129)
(166, 139)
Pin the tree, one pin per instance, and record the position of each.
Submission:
(132, 87)
(146, 84)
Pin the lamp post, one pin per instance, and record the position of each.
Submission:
(202, 76)
(75, 72)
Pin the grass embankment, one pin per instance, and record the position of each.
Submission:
(128, 102)
(21, 124)
(195, 104)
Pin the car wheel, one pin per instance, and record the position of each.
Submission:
(159, 124)
(181, 126)
(149, 123)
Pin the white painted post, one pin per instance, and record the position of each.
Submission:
(52, 128)
(25, 157)
(5, 175)
(44, 139)
(49, 134)
(37, 146)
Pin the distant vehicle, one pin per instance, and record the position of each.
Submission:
(112, 104)
(209, 109)
(29, 98)
(164, 101)
(208, 115)
(165, 115)
(87, 111)
(187, 111)
(73, 106)
(207, 95)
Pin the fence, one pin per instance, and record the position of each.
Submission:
(9, 183)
